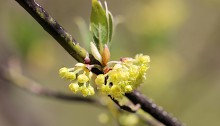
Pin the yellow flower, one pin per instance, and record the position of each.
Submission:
(74, 87)
(100, 79)
(105, 89)
(63, 71)
(128, 88)
(70, 76)
(142, 59)
(122, 77)
(91, 90)
(82, 78)
(84, 91)
(116, 91)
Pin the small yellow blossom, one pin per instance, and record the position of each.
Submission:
(100, 79)
(70, 76)
(74, 87)
(63, 71)
(116, 91)
(105, 89)
(127, 75)
(119, 78)
(82, 78)
(142, 58)
(91, 90)
(85, 91)
(128, 88)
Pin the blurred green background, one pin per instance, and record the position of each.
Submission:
(182, 37)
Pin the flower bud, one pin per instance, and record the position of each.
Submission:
(85, 91)
(70, 76)
(105, 55)
(100, 79)
(82, 78)
(74, 87)
(116, 91)
(128, 88)
(63, 71)
(91, 90)
(143, 59)
(105, 89)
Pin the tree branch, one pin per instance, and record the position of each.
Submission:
(124, 107)
(157, 112)
(54, 29)
(79, 53)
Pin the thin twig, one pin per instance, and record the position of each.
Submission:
(73, 48)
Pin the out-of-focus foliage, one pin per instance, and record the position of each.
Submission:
(156, 17)
(155, 20)
(180, 36)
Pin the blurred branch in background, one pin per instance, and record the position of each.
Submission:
(13, 75)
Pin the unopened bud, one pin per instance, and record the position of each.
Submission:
(82, 78)
(63, 71)
(128, 88)
(105, 55)
(84, 91)
(100, 79)
(74, 87)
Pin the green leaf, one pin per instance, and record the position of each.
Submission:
(110, 27)
(110, 23)
(99, 25)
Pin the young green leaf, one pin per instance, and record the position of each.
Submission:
(110, 28)
(110, 23)
(99, 25)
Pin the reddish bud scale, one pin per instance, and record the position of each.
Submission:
(107, 69)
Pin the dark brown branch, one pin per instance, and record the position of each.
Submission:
(54, 29)
(157, 112)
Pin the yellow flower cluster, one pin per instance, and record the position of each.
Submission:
(122, 77)
(80, 77)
